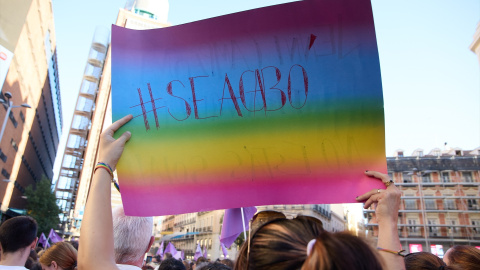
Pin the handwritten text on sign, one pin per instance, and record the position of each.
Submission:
(279, 105)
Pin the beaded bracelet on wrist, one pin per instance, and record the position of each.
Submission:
(105, 166)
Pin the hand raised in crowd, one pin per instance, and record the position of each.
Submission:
(386, 201)
(111, 149)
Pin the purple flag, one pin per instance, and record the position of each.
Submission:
(42, 240)
(232, 223)
(54, 237)
(205, 254)
(224, 250)
(171, 249)
(183, 255)
(177, 255)
(198, 252)
(160, 251)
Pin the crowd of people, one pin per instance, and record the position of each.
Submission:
(112, 240)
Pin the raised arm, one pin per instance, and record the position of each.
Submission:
(96, 238)
(386, 203)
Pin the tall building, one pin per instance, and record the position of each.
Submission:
(440, 199)
(93, 112)
(31, 115)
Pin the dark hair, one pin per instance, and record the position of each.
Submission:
(279, 244)
(17, 233)
(341, 250)
(465, 257)
(200, 259)
(35, 266)
(227, 262)
(423, 261)
(171, 264)
(214, 266)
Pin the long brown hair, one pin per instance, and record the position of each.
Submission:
(424, 261)
(466, 257)
(63, 253)
(282, 244)
(279, 244)
(342, 250)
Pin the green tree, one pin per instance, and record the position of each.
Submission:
(241, 239)
(42, 206)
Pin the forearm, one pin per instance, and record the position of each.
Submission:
(388, 239)
(96, 239)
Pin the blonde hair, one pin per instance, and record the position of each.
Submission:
(63, 253)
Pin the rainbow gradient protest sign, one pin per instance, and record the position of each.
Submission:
(277, 105)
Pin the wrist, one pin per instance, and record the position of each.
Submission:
(104, 166)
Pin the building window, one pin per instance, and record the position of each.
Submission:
(12, 118)
(3, 157)
(430, 204)
(407, 178)
(476, 226)
(14, 145)
(450, 204)
(400, 154)
(446, 177)
(426, 178)
(410, 204)
(472, 204)
(432, 229)
(453, 224)
(6, 174)
(412, 228)
(467, 177)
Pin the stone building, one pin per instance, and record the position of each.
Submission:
(440, 199)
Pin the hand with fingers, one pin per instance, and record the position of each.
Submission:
(111, 149)
(386, 201)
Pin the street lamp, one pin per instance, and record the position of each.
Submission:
(9, 104)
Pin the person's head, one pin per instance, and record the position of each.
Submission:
(171, 264)
(466, 257)
(18, 233)
(282, 244)
(423, 261)
(227, 262)
(213, 266)
(167, 255)
(60, 256)
(36, 266)
(132, 237)
(200, 260)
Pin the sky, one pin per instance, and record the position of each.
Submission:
(431, 79)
